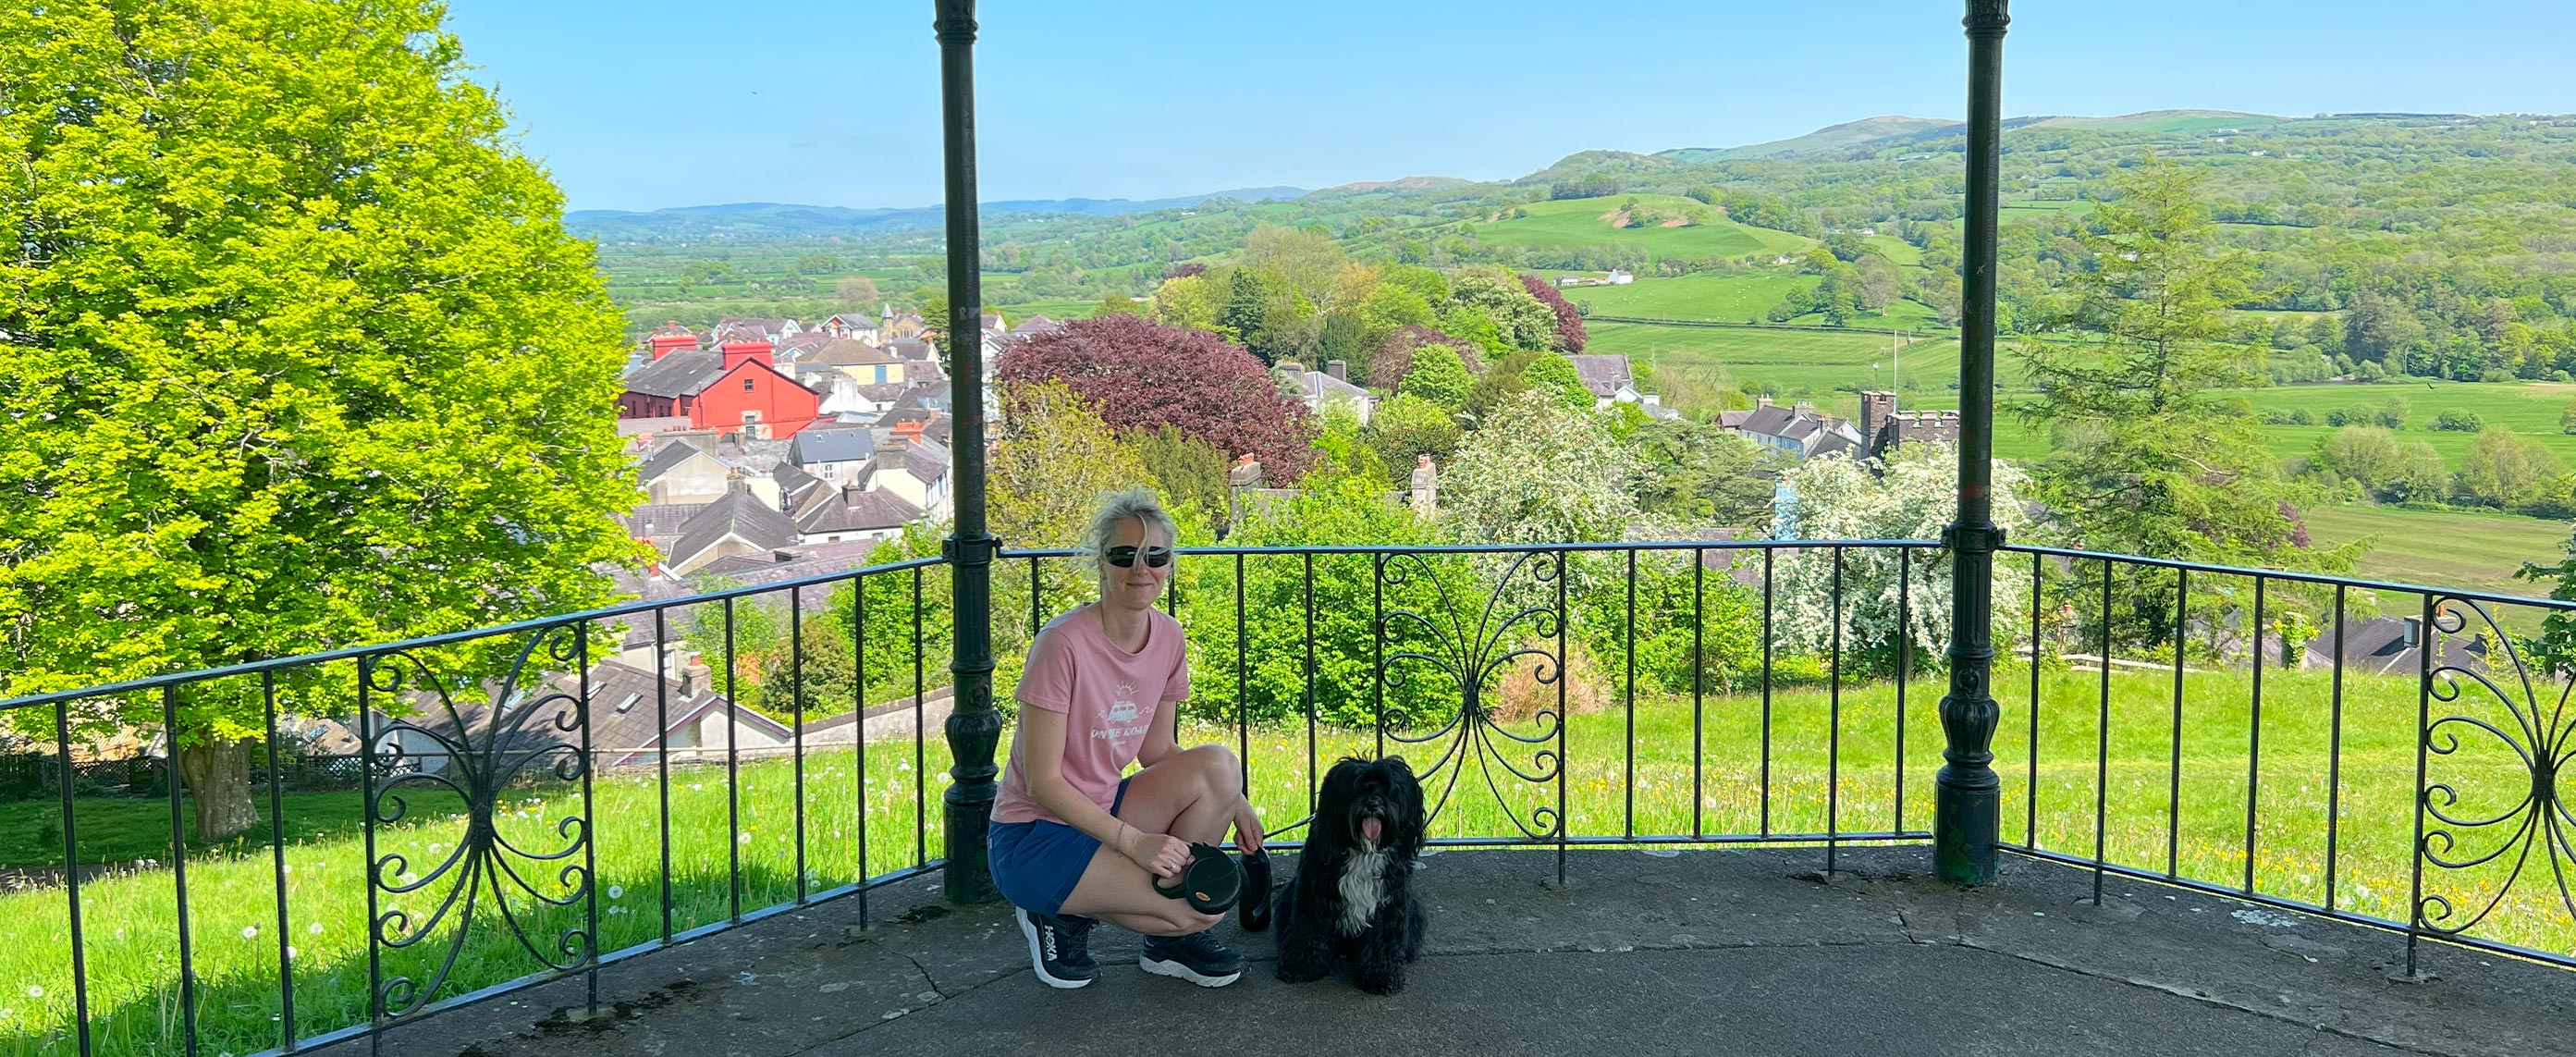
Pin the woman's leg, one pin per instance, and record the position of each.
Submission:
(1192, 795)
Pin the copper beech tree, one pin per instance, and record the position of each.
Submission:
(1140, 374)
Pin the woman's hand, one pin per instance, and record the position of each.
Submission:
(1160, 854)
(1247, 829)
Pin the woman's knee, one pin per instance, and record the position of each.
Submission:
(1218, 767)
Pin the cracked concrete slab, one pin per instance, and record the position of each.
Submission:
(1706, 951)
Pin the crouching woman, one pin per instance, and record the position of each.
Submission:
(1072, 842)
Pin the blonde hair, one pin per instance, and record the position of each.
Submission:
(1117, 508)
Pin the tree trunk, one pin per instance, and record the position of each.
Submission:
(217, 774)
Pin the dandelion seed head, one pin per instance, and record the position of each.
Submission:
(250, 932)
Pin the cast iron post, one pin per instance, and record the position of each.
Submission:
(974, 728)
(1966, 794)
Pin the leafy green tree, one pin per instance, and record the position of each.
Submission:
(2504, 470)
(1392, 307)
(1189, 471)
(1519, 320)
(1700, 474)
(1188, 301)
(1438, 376)
(1307, 259)
(1406, 427)
(295, 354)
(816, 263)
(1053, 462)
(1114, 303)
(2146, 462)
(1555, 375)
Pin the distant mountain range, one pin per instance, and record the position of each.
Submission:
(774, 219)
(1888, 131)
(1864, 137)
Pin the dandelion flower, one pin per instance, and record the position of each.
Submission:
(744, 839)
(34, 991)
(314, 928)
(250, 932)
(617, 891)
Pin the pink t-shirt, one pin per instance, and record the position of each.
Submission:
(1108, 696)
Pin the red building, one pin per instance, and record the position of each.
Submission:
(728, 391)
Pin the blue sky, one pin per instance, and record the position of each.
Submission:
(644, 104)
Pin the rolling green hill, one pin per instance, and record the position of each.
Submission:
(1576, 222)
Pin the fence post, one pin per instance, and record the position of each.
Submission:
(1966, 794)
(974, 728)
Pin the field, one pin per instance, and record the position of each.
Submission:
(1799, 364)
(1577, 222)
(1724, 787)
(1710, 296)
(2443, 548)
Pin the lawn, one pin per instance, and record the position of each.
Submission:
(1577, 222)
(1697, 770)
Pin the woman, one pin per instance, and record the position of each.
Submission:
(1071, 841)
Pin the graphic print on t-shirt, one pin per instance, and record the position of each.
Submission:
(1118, 720)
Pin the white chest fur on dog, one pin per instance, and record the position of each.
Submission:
(1363, 887)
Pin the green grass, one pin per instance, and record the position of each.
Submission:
(1577, 222)
(1724, 298)
(1019, 313)
(1720, 790)
(2527, 408)
(2443, 548)
(1793, 361)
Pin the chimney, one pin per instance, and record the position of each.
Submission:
(1761, 400)
(1246, 472)
(1426, 487)
(671, 337)
(737, 351)
(1339, 369)
(1804, 408)
(694, 676)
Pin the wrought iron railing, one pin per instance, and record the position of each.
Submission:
(516, 829)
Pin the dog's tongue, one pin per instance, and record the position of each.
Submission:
(1369, 828)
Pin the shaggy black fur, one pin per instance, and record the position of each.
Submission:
(1313, 917)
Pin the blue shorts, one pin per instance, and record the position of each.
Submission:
(1037, 863)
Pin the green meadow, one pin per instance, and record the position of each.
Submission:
(1578, 222)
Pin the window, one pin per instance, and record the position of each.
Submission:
(630, 701)
(830, 469)
(747, 383)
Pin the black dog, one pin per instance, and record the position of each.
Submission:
(1353, 893)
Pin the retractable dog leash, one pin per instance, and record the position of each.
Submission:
(1213, 884)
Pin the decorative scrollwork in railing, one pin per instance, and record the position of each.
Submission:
(2541, 737)
(1476, 651)
(531, 730)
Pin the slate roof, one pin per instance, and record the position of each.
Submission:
(2378, 646)
(832, 445)
(852, 510)
(1604, 374)
(668, 457)
(849, 352)
(739, 513)
(681, 373)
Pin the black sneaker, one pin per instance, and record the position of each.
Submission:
(1197, 958)
(1059, 949)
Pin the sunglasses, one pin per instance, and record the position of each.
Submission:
(1125, 557)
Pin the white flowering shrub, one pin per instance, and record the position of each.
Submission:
(1910, 495)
